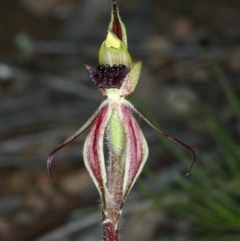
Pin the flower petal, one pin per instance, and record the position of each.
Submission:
(70, 139)
(93, 148)
(136, 148)
(131, 79)
(169, 137)
(116, 25)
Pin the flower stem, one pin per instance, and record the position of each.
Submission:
(110, 233)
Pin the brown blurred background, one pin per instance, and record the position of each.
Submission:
(46, 96)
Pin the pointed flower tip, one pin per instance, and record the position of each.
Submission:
(116, 25)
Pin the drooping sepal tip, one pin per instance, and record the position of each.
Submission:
(170, 138)
(52, 153)
(70, 139)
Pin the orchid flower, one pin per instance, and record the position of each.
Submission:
(116, 77)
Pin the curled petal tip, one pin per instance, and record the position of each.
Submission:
(194, 160)
(170, 138)
(68, 140)
(186, 146)
(49, 160)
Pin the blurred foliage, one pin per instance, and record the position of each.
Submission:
(209, 198)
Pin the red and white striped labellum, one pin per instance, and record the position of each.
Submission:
(116, 77)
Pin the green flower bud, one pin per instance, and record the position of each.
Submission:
(113, 51)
